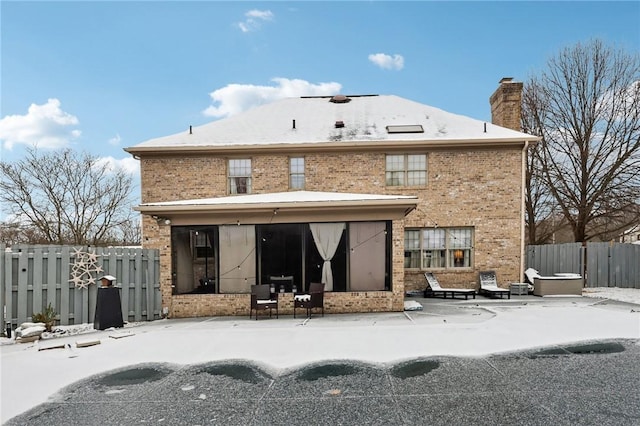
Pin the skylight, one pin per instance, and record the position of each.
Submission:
(406, 128)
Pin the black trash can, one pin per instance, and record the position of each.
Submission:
(108, 309)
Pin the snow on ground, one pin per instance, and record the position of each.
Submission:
(631, 295)
(33, 372)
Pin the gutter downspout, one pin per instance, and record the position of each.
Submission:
(522, 208)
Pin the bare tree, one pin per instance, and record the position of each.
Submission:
(586, 107)
(67, 198)
(540, 212)
(13, 232)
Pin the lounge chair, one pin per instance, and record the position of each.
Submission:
(489, 285)
(308, 301)
(433, 289)
(262, 299)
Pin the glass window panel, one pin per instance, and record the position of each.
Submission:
(297, 182)
(433, 239)
(239, 167)
(395, 179)
(438, 248)
(395, 163)
(434, 259)
(417, 162)
(460, 258)
(459, 238)
(194, 259)
(297, 165)
(240, 176)
(240, 185)
(416, 178)
(410, 169)
(412, 248)
(296, 173)
(412, 239)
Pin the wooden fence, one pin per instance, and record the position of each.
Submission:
(602, 264)
(32, 277)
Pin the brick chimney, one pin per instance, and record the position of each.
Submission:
(506, 104)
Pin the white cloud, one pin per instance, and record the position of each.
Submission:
(129, 165)
(44, 126)
(254, 20)
(260, 14)
(235, 98)
(115, 141)
(384, 61)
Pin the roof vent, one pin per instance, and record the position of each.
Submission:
(339, 124)
(340, 99)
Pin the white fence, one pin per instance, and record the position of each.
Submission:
(32, 277)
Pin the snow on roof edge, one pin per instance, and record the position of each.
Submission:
(283, 197)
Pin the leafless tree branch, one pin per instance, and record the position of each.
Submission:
(586, 107)
(63, 197)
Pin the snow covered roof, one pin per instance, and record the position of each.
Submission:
(285, 198)
(289, 207)
(317, 120)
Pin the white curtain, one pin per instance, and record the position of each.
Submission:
(327, 237)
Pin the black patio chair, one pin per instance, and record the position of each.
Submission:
(261, 300)
(313, 299)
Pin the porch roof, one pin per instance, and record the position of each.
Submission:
(288, 206)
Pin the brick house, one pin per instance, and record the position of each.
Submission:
(364, 193)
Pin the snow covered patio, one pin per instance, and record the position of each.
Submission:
(473, 328)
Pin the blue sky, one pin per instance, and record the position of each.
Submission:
(101, 76)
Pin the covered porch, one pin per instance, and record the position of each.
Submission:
(218, 247)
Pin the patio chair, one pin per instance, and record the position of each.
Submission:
(261, 300)
(489, 285)
(308, 301)
(434, 288)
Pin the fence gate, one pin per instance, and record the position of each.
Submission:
(613, 265)
(32, 277)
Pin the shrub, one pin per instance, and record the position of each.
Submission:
(48, 317)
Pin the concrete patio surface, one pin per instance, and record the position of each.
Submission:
(448, 328)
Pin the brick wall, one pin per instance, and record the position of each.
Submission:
(506, 104)
(479, 188)
(193, 305)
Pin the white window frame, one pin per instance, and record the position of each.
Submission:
(406, 169)
(296, 173)
(239, 176)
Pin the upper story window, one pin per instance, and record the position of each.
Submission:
(429, 248)
(296, 173)
(406, 170)
(240, 176)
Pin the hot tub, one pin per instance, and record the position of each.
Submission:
(547, 286)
